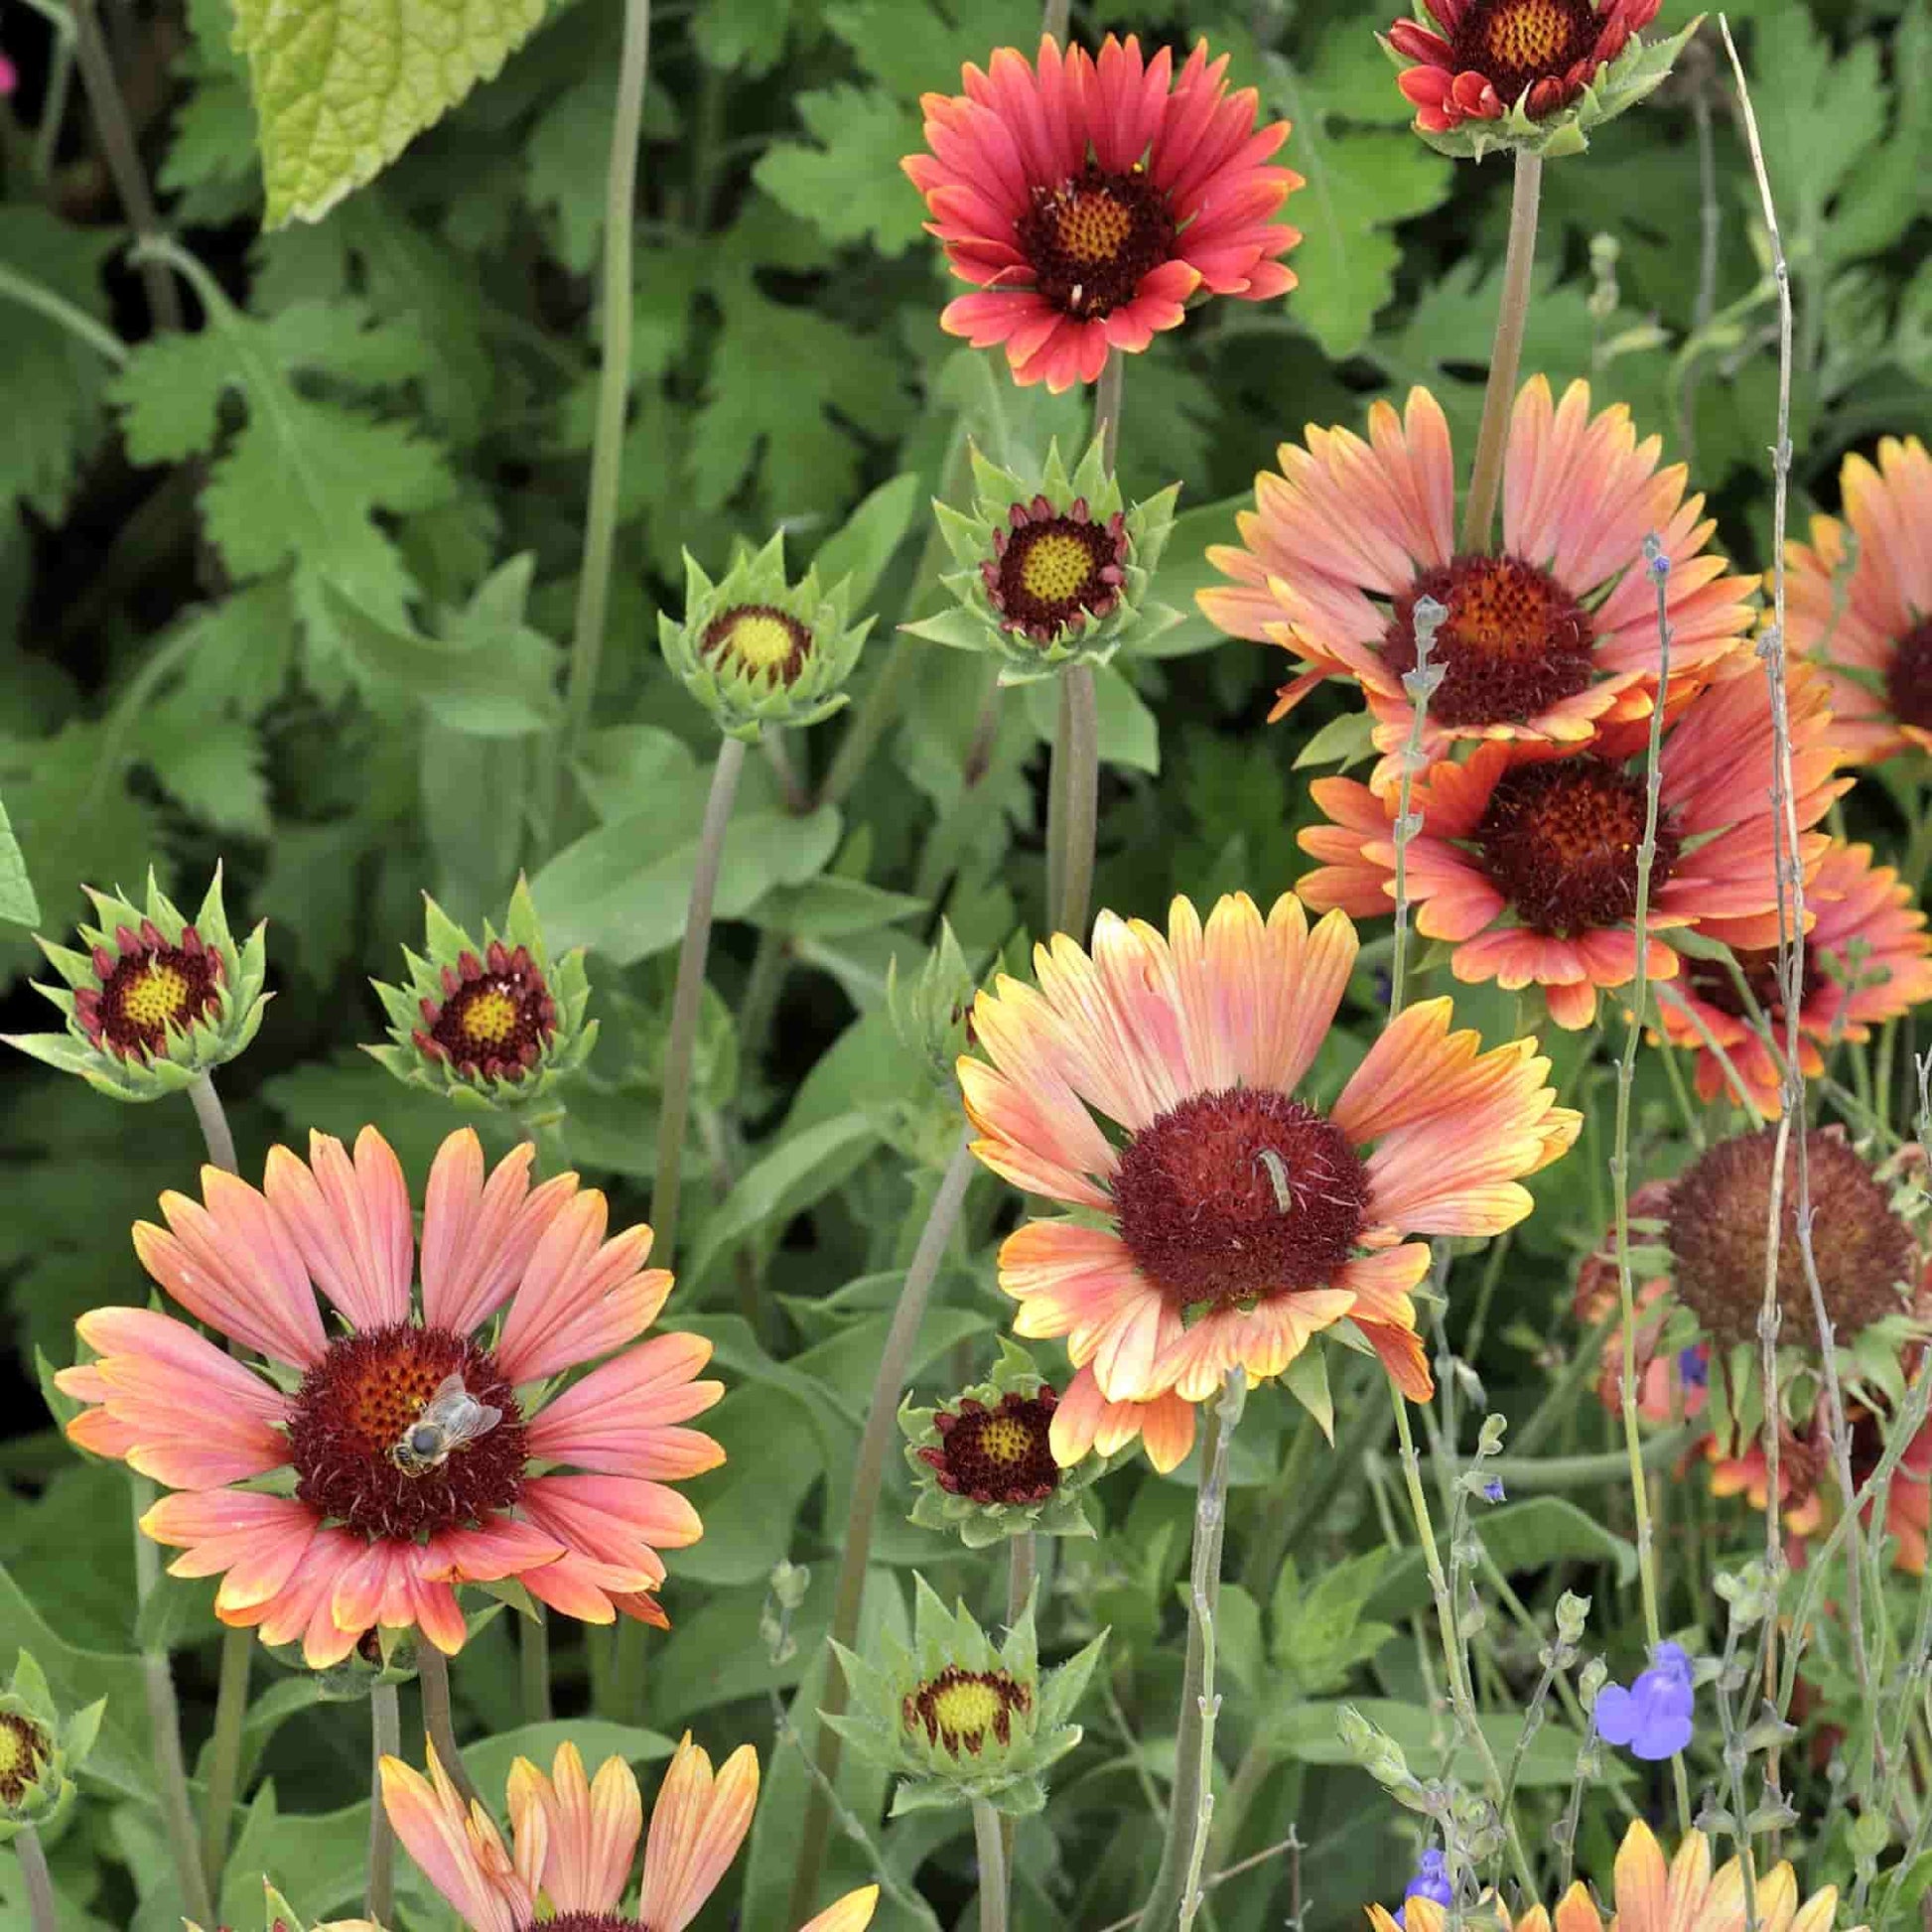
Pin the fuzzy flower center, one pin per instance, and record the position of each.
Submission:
(380, 1444)
(1514, 643)
(1561, 841)
(958, 1707)
(24, 1749)
(1513, 43)
(1234, 1196)
(496, 1018)
(148, 989)
(1908, 678)
(761, 639)
(1719, 1210)
(583, 1922)
(1093, 236)
(997, 1456)
(1051, 569)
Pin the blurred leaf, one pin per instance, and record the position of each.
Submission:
(1525, 1536)
(847, 180)
(18, 905)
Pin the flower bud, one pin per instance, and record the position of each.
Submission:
(40, 1749)
(932, 1012)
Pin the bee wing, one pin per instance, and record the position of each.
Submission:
(448, 1390)
(472, 1419)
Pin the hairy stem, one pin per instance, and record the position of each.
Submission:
(533, 1668)
(868, 1476)
(993, 1867)
(41, 1912)
(439, 1721)
(1427, 618)
(385, 1740)
(214, 1122)
(1485, 480)
(1074, 803)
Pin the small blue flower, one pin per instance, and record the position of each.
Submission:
(1652, 1719)
(1493, 1489)
(1694, 1366)
(1432, 1880)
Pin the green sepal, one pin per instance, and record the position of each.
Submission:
(60, 1748)
(743, 699)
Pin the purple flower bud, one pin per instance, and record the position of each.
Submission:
(1493, 1489)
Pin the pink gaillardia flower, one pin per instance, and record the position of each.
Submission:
(417, 1445)
(1233, 1214)
(1549, 636)
(1089, 197)
(573, 1839)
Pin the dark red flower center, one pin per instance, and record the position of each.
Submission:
(24, 1749)
(958, 1707)
(1237, 1195)
(1513, 43)
(583, 1922)
(1908, 678)
(1561, 841)
(1049, 568)
(496, 1018)
(761, 639)
(380, 1443)
(1003, 1455)
(1091, 238)
(148, 989)
(1514, 643)
(1711, 981)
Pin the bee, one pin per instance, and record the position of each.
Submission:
(451, 1419)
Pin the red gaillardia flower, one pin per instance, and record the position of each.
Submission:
(417, 1446)
(1859, 602)
(1547, 639)
(1089, 197)
(1867, 959)
(1238, 1215)
(1527, 864)
(573, 1838)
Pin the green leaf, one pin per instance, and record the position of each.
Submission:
(1530, 1535)
(1130, 734)
(1184, 569)
(209, 765)
(861, 550)
(18, 905)
(1306, 1732)
(829, 908)
(847, 182)
(1306, 1380)
(1342, 740)
(342, 86)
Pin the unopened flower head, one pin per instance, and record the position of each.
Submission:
(984, 1461)
(153, 1000)
(40, 1749)
(757, 651)
(494, 1024)
(959, 1720)
(932, 1012)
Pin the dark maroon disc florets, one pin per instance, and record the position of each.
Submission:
(148, 987)
(959, 1708)
(1094, 237)
(1236, 1195)
(356, 1404)
(1908, 677)
(1520, 45)
(1049, 568)
(1003, 1455)
(495, 1016)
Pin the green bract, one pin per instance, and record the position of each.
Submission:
(278, 1915)
(754, 651)
(1051, 571)
(155, 1000)
(984, 1461)
(930, 1012)
(496, 1024)
(958, 1719)
(39, 1749)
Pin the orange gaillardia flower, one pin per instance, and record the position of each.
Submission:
(1859, 602)
(1867, 958)
(1547, 639)
(573, 1838)
(1528, 864)
(1089, 197)
(1237, 1215)
(423, 1444)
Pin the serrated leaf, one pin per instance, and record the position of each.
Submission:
(209, 763)
(342, 86)
(849, 186)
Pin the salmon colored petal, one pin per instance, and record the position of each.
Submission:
(452, 1851)
(696, 1828)
(1642, 1882)
(853, 1913)
(619, 1419)
(478, 1235)
(580, 1296)
(1070, 1280)
(351, 1222)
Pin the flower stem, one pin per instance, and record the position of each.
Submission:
(1072, 809)
(1023, 1556)
(438, 1723)
(164, 1720)
(533, 1668)
(54, 102)
(993, 1867)
(1420, 684)
(1485, 480)
(1106, 405)
(867, 1476)
(385, 1740)
(1190, 1807)
(41, 1912)
(613, 397)
(214, 1122)
(34, 295)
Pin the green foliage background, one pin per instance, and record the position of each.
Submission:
(291, 590)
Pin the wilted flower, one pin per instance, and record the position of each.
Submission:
(1052, 571)
(155, 1000)
(1652, 1718)
(757, 651)
(495, 1025)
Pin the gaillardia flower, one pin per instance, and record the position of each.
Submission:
(1089, 197)
(155, 1000)
(1867, 958)
(1229, 1215)
(757, 651)
(40, 1749)
(1547, 639)
(1052, 571)
(418, 1445)
(1527, 864)
(1652, 1893)
(1535, 75)
(984, 1462)
(567, 1868)
(495, 1025)
(1859, 602)
(958, 1719)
